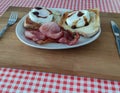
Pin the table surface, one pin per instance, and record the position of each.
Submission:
(103, 59)
(98, 59)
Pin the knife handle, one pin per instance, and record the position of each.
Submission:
(118, 44)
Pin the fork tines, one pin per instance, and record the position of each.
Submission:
(14, 15)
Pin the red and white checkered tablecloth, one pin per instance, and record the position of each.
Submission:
(103, 5)
(23, 81)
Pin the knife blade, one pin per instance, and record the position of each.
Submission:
(116, 32)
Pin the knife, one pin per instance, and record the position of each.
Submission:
(116, 32)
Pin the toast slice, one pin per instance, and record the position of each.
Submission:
(38, 16)
(90, 28)
(30, 25)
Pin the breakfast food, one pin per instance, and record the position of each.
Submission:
(51, 32)
(45, 25)
(38, 16)
(86, 22)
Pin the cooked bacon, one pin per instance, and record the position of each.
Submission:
(34, 35)
(28, 34)
(47, 40)
(51, 32)
(69, 38)
(38, 35)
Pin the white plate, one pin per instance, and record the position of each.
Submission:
(81, 42)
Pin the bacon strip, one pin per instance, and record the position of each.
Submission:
(34, 35)
(69, 38)
(51, 30)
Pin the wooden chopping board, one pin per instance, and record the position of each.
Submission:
(99, 59)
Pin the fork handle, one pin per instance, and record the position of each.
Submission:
(3, 30)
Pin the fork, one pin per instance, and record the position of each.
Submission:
(12, 19)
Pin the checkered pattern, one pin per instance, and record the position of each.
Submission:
(23, 81)
(103, 5)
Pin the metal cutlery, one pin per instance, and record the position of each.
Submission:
(12, 19)
(116, 32)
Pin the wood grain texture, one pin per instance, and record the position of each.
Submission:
(99, 59)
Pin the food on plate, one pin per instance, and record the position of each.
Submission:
(86, 22)
(45, 25)
(51, 32)
(39, 15)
